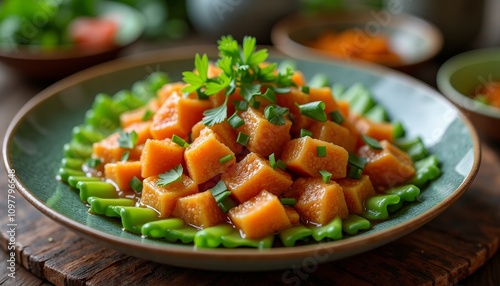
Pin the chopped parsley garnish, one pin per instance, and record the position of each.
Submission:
(357, 161)
(280, 164)
(276, 164)
(221, 196)
(125, 156)
(305, 89)
(179, 141)
(356, 164)
(174, 175)
(235, 121)
(128, 140)
(371, 142)
(148, 114)
(242, 138)
(337, 117)
(272, 161)
(314, 110)
(225, 159)
(240, 105)
(136, 184)
(276, 114)
(305, 132)
(321, 151)
(93, 162)
(288, 201)
(270, 95)
(325, 176)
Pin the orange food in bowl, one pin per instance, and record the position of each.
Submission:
(93, 33)
(489, 93)
(355, 43)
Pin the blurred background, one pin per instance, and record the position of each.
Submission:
(30, 27)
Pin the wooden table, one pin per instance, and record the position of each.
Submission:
(459, 246)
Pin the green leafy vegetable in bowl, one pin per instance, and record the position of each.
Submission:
(48, 24)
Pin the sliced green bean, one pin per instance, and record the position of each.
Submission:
(331, 230)
(86, 135)
(293, 234)
(426, 170)
(96, 189)
(234, 239)
(103, 206)
(171, 229)
(72, 163)
(65, 173)
(406, 193)
(133, 218)
(211, 237)
(354, 224)
(73, 180)
(376, 206)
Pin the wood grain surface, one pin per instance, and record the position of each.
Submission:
(447, 251)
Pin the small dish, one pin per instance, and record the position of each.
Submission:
(34, 140)
(39, 65)
(459, 76)
(413, 39)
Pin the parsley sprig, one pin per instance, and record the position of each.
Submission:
(174, 175)
(241, 67)
(128, 140)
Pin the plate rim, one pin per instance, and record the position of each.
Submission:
(270, 255)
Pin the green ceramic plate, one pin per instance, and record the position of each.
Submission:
(33, 147)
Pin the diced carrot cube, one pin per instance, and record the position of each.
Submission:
(344, 107)
(142, 129)
(356, 192)
(160, 156)
(260, 216)
(122, 173)
(293, 215)
(323, 94)
(199, 210)
(355, 137)
(177, 115)
(219, 98)
(253, 174)
(387, 167)
(203, 156)
(132, 116)
(318, 202)
(163, 198)
(298, 78)
(289, 100)
(168, 89)
(334, 133)
(301, 156)
(137, 115)
(376, 130)
(265, 137)
(226, 134)
(108, 150)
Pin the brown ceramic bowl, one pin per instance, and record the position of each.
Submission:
(413, 39)
(461, 75)
(40, 65)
